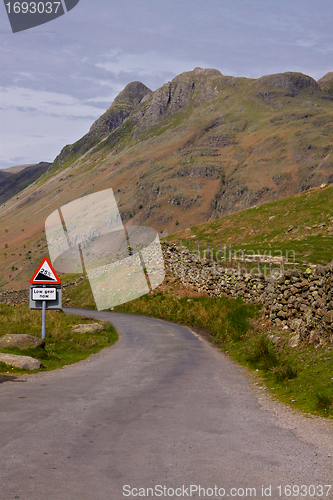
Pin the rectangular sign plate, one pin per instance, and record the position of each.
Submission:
(43, 294)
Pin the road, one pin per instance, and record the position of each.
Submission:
(160, 407)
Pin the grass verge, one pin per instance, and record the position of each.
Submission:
(62, 345)
(300, 377)
(223, 317)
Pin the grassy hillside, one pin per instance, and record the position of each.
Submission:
(299, 227)
(201, 147)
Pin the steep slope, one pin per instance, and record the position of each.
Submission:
(120, 109)
(202, 146)
(299, 227)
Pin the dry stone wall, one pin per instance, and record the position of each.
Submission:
(19, 297)
(14, 297)
(301, 302)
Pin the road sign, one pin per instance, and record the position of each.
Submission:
(44, 293)
(36, 302)
(45, 274)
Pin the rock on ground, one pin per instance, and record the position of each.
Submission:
(25, 362)
(87, 328)
(294, 341)
(21, 340)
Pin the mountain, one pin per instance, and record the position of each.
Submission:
(202, 146)
(210, 143)
(17, 168)
(15, 179)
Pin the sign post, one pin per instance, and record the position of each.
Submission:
(44, 317)
(45, 297)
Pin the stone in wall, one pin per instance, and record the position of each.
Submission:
(301, 302)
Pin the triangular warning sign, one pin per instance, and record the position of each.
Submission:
(45, 274)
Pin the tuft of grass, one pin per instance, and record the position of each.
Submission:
(263, 356)
(286, 372)
(301, 376)
(324, 400)
(110, 332)
(3, 367)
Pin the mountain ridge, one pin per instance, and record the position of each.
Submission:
(202, 146)
(173, 96)
(14, 179)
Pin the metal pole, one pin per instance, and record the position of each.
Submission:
(43, 316)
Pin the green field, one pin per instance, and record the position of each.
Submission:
(62, 345)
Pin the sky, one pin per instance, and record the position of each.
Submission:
(58, 78)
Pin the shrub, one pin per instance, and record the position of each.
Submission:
(263, 356)
(286, 372)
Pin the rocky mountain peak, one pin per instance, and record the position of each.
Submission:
(123, 105)
(326, 82)
(291, 81)
(206, 71)
(132, 94)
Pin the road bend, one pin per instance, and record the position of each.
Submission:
(159, 414)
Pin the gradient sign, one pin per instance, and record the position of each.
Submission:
(24, 15)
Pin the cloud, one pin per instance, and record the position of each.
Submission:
(29, 126)
(69, 70)
(153, 67)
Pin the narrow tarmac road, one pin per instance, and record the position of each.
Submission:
(159, 408)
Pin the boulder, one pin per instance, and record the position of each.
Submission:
(21, 340)
(25, 362)
(294, 341)
(87, 328)
(274, 338)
